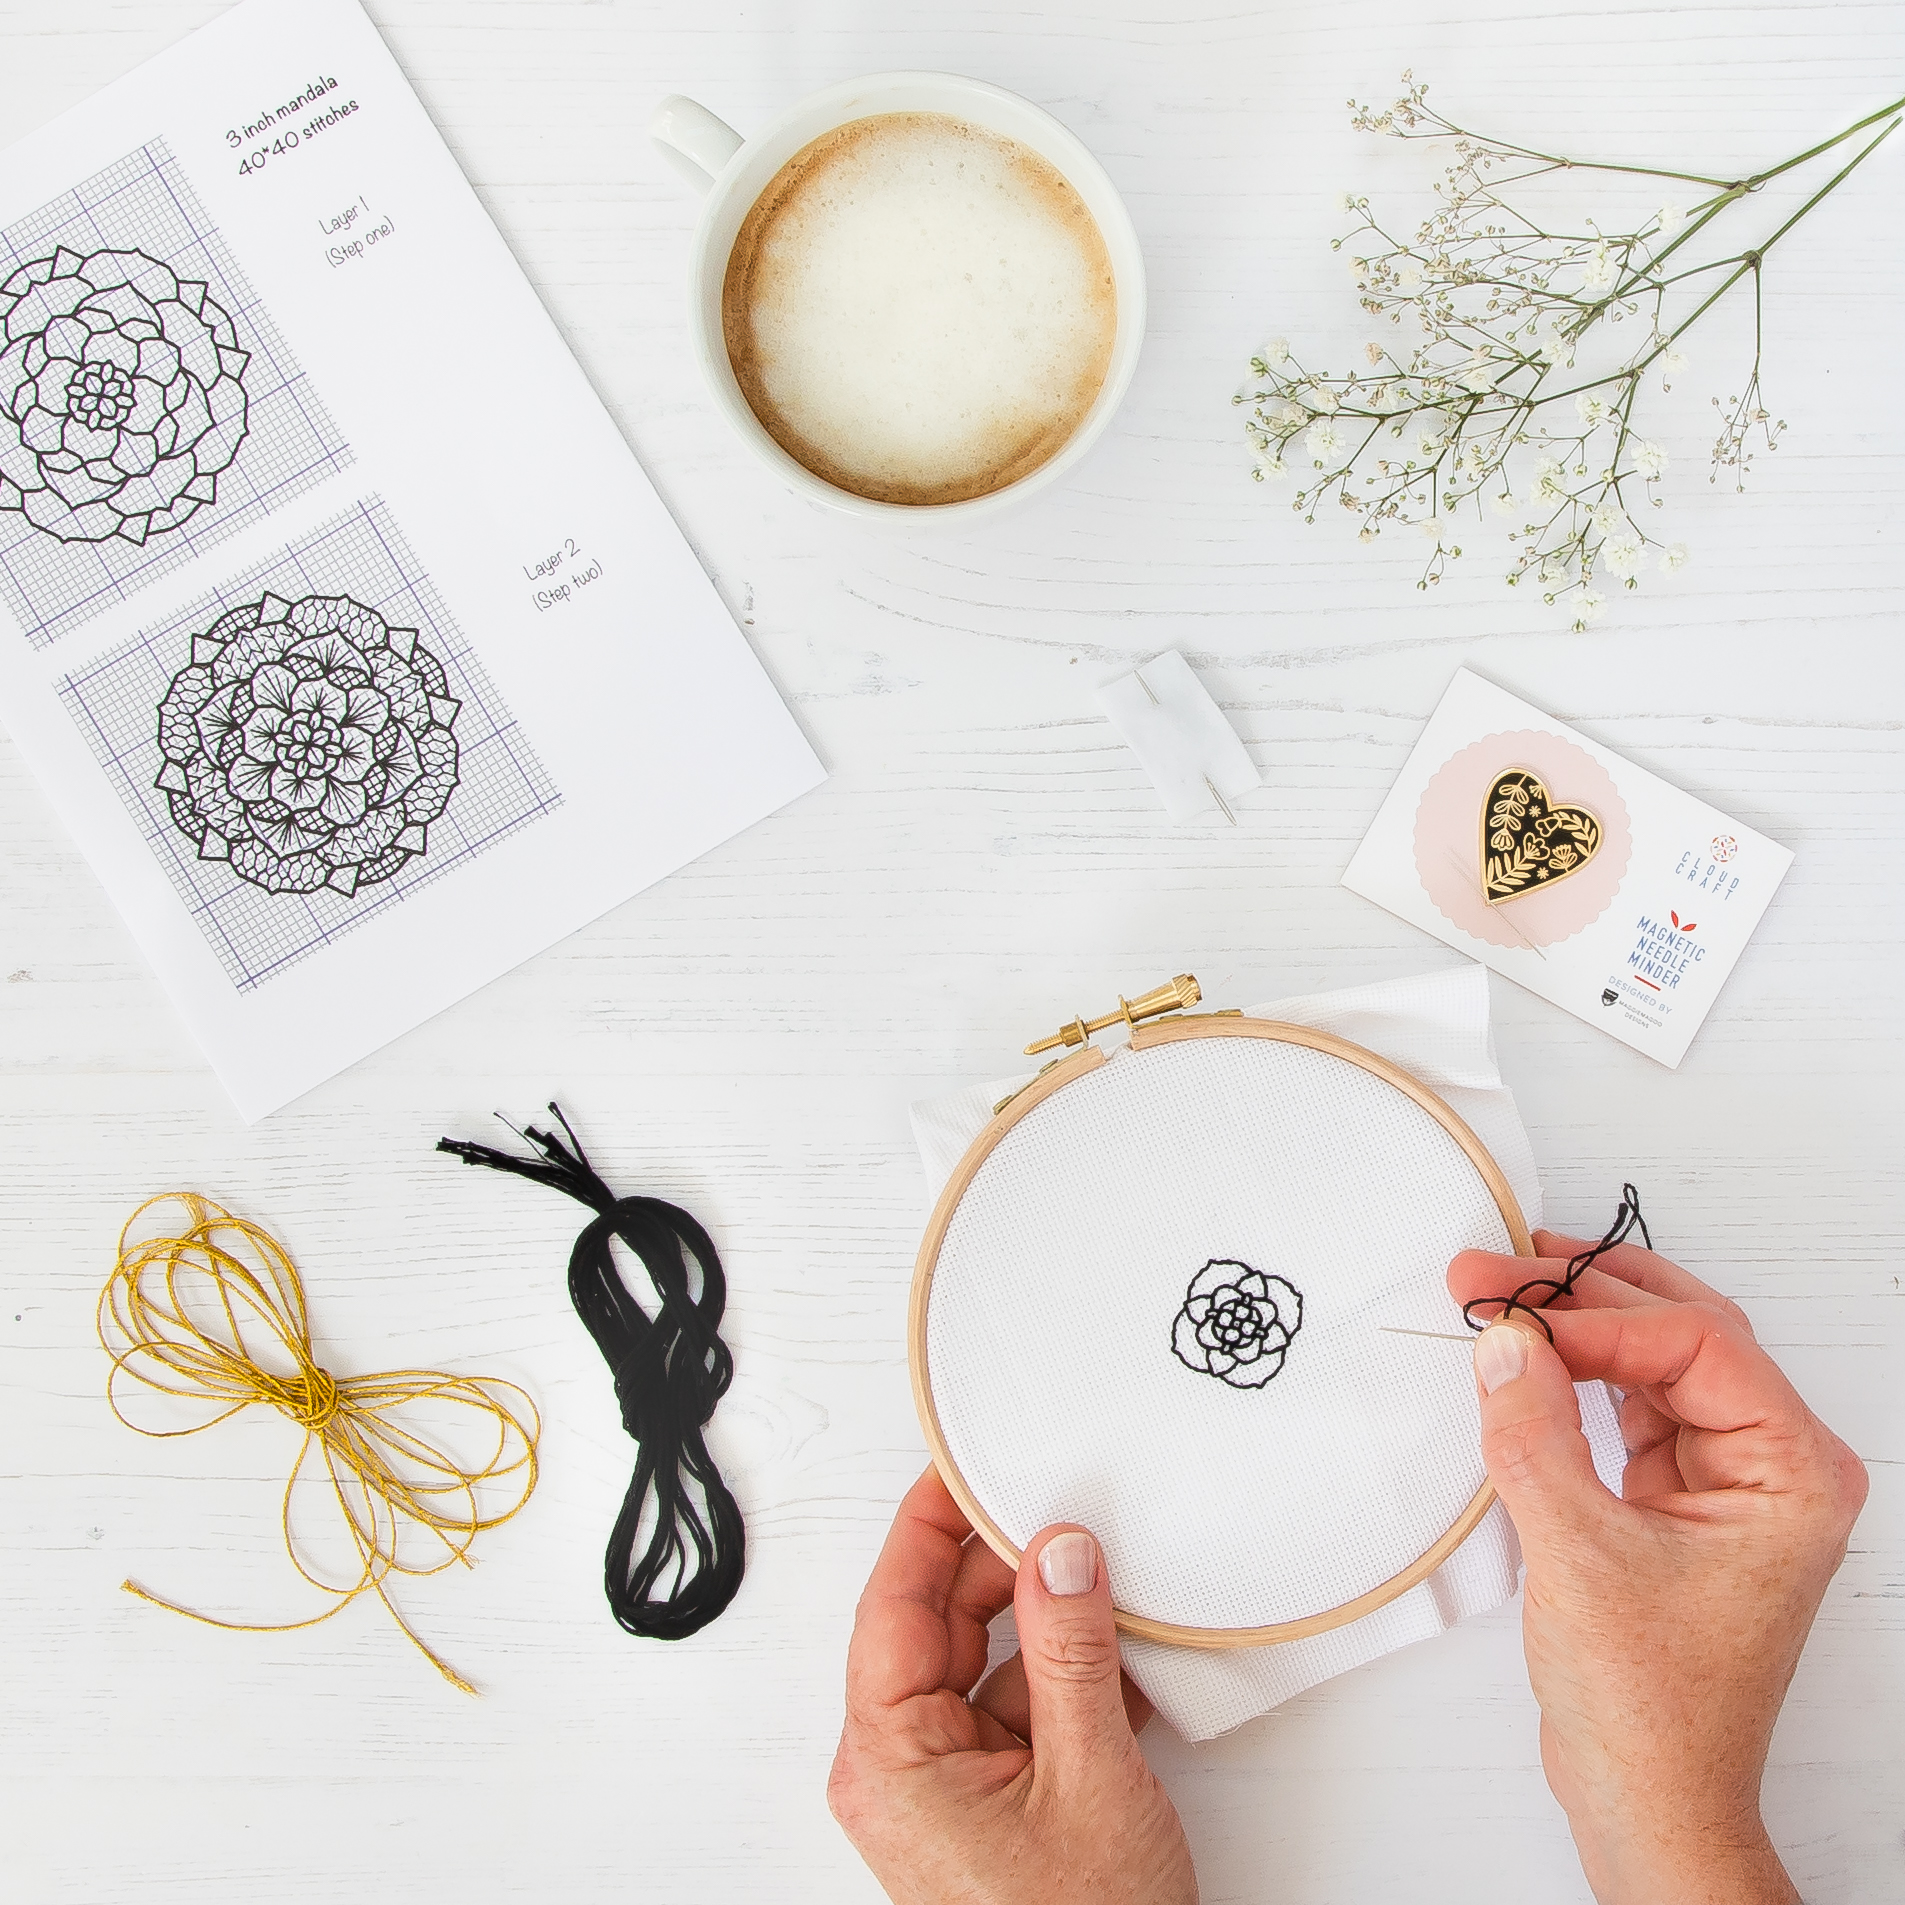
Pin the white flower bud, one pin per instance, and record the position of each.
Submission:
(1324, 441)
(1601, 272)
(1620, 556)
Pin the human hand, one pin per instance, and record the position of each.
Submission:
(943, 1796)
(1661, 1629)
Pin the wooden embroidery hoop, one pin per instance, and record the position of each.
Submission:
(1054, 1079)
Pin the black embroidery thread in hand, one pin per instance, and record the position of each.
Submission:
(670, 1370)
(1627, 1219)
(1236, 1323)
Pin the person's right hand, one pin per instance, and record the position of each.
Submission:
(1662, 1628)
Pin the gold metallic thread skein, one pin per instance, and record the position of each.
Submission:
(180, 1314)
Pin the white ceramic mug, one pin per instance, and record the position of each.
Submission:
(733, 172)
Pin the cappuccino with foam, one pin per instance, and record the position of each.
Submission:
(918, 310)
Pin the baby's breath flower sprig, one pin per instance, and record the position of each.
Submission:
(1502, 307)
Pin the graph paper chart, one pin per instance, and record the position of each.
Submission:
(58, 572)
(292, 721)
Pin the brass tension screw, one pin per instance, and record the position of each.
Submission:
(1180, 993)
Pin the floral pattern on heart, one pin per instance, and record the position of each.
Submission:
(1529, 839)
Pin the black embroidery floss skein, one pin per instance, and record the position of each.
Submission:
(1627, 1219)
(670, 1370)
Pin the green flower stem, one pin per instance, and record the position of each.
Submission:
(1825, 145)
(1485, 287)
(1743, 262)
(1730, 187)
(1751, 260)
(1740, 187)
(1555, 162)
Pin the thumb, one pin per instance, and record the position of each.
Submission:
(1537, 1456)
(1062, 1608)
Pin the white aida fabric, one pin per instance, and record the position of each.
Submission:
(1051, 1326)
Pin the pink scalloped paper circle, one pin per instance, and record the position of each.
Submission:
(1448, 839)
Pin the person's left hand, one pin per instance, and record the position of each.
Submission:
(1031, 1792)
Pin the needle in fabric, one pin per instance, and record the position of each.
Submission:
(1627, 1219)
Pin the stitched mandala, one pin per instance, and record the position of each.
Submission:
(1236, 1323)
(309, 744)
(122, 395)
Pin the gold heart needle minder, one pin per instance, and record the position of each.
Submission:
(1528, 839)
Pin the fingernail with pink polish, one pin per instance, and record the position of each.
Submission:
(1501, 1354)
(1068, 1564)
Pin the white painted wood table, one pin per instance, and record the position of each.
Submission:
(985, 860)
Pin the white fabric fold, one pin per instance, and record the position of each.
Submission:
(1436, 1027)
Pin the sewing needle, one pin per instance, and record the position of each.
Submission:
(1441, 1336)
(1499, 914)
(1223, 806)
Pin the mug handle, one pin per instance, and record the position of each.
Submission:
(693, 140)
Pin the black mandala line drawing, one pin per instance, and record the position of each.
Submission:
(122, 395)
(256, 824)
(309, 744)
(1236, 1323)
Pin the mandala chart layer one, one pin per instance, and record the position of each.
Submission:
(310, 744)
(150, 409)
(122, 396)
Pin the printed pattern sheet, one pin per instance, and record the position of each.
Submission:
(336, 617)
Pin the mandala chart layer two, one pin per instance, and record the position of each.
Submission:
(309, 746)
(122, 396)
(149, 407)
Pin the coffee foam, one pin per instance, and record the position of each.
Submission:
(919, 310)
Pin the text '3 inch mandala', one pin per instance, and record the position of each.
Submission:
(309, 744)
(121, 396)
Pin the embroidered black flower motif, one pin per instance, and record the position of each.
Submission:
(121, 395)
(1236, 1323)
(308, 743)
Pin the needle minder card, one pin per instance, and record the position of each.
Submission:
(1567, 869)
(337, 618)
